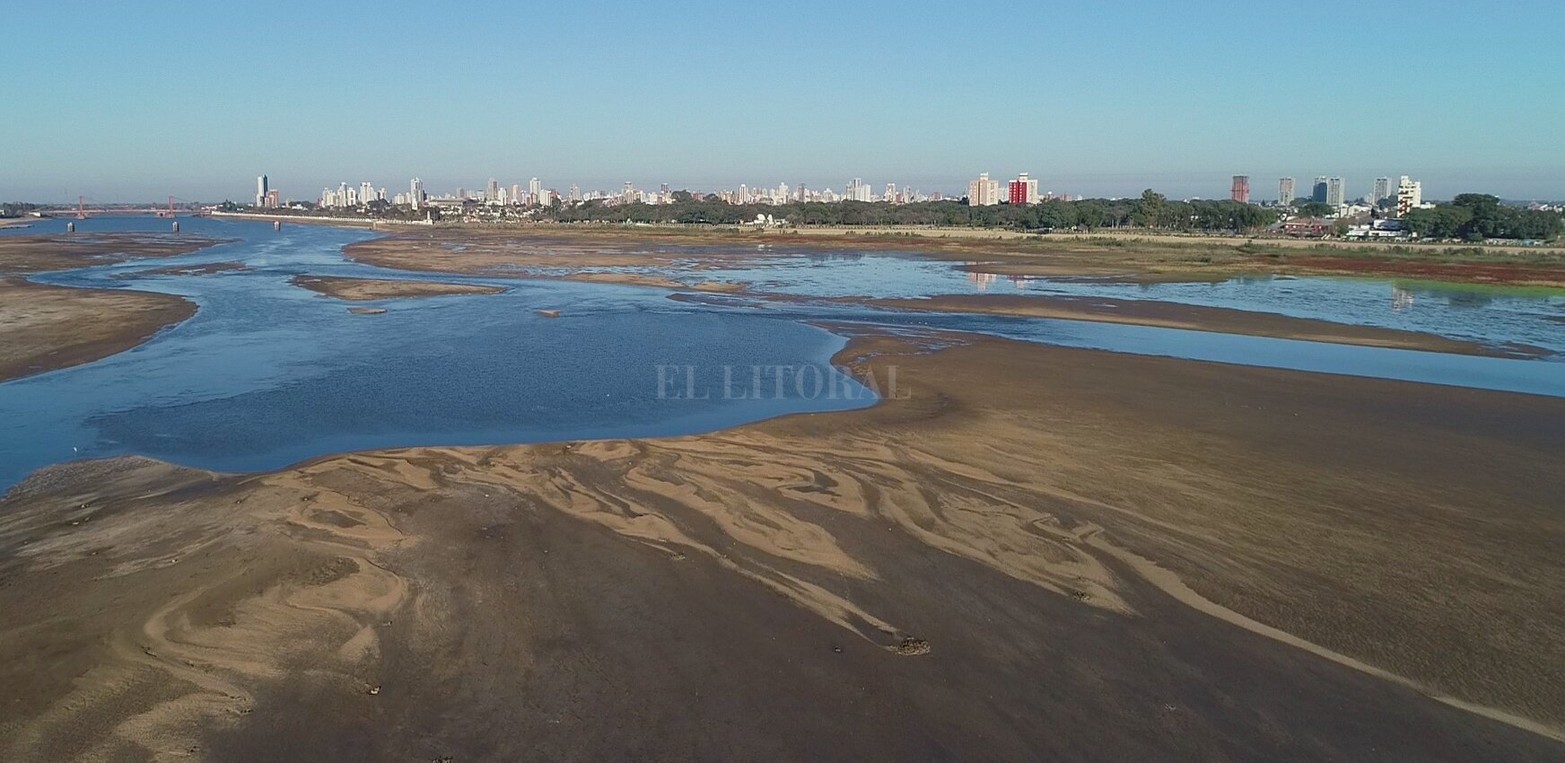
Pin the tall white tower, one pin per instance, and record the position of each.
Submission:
(261, 188)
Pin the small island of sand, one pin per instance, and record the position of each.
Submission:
(364, 289)
(45, 328)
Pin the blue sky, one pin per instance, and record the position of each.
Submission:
(131, 101)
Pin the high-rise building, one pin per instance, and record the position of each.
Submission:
(1336, 191)
(858, 190)
(1285, 191)
(983, 192)
(261, 187)
(1318, 192)
(492, 191)
(535, 190)
(575, 192)
(1382, 190)
(1240, 191)
(1022, 191)
(1410, 195)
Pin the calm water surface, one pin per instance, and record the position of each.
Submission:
(267, 374)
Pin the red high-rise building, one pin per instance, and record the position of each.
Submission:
(1022, 191)
(1241, 189)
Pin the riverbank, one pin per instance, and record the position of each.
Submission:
(1142, 312)
(510, 253)
(934, 573)
(46, 328)
(23, 255)
(1124, 254)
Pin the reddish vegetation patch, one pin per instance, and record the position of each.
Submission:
(1476, 272)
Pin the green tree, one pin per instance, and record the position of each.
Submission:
(1315, 209)
(1150, 210)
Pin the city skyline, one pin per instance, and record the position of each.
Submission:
(1128, 97)
(1212, 185)
(1023, 186)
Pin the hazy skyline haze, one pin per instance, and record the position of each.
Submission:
(140, 101)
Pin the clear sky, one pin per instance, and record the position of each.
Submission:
(133, 101)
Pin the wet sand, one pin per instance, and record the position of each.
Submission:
(508, 251)
(35, 254)
(1113, 254)
(967, 572)
(365, 289)
(1195, 318)
(512, 251)
(208, 269)
(44, 328)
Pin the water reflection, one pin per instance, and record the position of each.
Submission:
(1493, 317)
(1401, 299)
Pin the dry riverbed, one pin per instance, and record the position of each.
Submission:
(1163, 558)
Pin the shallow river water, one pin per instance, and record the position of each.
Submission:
(267, 373)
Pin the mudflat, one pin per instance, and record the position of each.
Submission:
(1025, 552)
(509, 251)
(1131, 255)
(1195, 318)
(43, 328)
(35, 254)
(364, 289)
(555, 252)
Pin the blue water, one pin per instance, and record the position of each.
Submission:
(1486, 316)
(267, 374)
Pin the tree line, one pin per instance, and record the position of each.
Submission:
(1479, 217)
(1150, 210)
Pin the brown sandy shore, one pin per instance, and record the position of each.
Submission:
(363, 289)
(505, 251)
(1194, 318)
(1130, 255)
(962, 573)
(43, 328)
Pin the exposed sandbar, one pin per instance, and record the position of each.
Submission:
(207, 269)
(34, 254)
(364, 289)
(934, 573)
(44, 328)
(1130, 255)
(1196, 318)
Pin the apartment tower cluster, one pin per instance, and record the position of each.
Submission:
(1022, 190)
